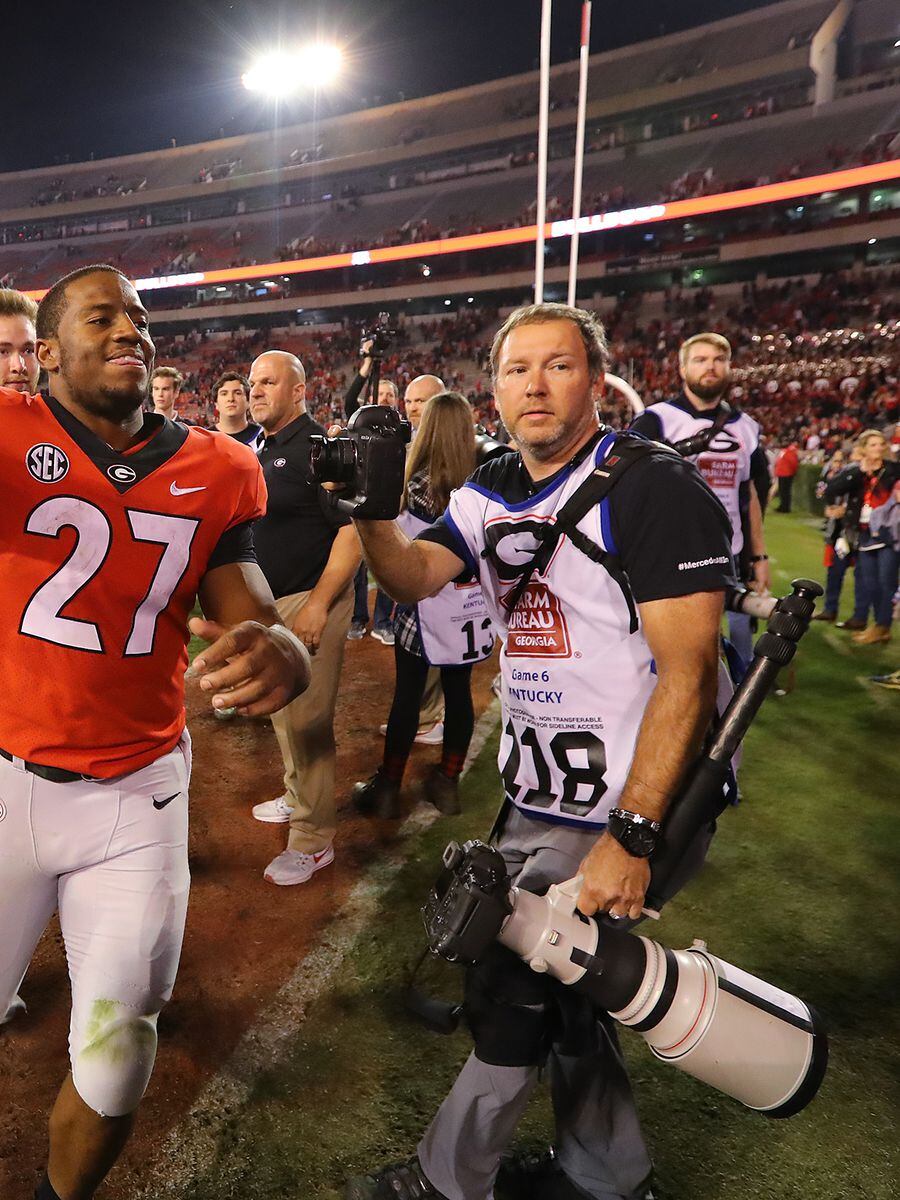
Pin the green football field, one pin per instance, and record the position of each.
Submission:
(799, 889)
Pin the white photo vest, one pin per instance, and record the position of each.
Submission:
(453, 624)
(575, 682)
(725, 465)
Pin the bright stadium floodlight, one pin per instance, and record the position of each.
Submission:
(282, 73)
(321, 63)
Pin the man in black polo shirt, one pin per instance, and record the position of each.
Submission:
(309, 554)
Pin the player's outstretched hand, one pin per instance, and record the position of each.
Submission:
(614, 881)
(254, 668)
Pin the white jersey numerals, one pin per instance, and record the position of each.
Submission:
(176, 535)
(93, 539)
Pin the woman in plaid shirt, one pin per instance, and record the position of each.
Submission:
(450, 630)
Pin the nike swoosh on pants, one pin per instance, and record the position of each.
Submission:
(163, 803)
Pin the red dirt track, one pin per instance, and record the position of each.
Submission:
(244, 936)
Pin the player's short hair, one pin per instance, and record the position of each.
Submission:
(168, 373)
(53, 305)
(230, 377)
(712, 339)
(16, 304)
(590, 328)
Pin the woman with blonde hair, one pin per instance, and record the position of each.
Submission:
(867, 485)
(450, 630)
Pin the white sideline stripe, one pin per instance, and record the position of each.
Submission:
(190, 1149)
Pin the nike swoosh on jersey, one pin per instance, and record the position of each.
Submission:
(177, 491)
(163, 803)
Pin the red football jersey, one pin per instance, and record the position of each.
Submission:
(102, 555)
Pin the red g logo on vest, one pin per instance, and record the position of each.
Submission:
(537, 628)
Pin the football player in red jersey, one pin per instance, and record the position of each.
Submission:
(114, 522)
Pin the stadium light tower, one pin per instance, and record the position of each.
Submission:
(283, 73)
(543, 134)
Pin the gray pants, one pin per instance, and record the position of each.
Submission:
(598, 1137)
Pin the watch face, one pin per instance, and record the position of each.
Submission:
(639, 840)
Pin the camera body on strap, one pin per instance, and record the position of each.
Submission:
(369, 457)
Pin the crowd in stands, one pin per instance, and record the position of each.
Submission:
(56, 191)
(814, 361)
(211, 247)
(219, 170)
(880, 146)
(814, 364)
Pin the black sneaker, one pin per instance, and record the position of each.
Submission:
(378, 796)
(537, 1175)
(526, 1173)
(442, 792)
(399, 1181)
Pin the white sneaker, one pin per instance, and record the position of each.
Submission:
(433, 735)
(16, 1006)
(273, 812)
(293, 866)
(385, 636)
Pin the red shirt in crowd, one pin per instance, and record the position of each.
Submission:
(787, 462)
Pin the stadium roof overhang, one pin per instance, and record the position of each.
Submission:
(790, 189)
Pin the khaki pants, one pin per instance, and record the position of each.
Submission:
(432, 707)
(305, 730)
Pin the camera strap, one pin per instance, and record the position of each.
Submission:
(690, 446)
(626, 451)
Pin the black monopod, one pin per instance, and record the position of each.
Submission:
(702, 799)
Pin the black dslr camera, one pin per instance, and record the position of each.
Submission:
(381, 335)
(487, 447)
(369, 457)
(469, 902)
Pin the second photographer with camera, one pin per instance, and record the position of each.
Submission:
(610, 669)
(360, 391)
(450, 630)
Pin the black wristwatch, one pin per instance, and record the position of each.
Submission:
(638, 835)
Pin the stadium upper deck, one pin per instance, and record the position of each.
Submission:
(732, 130)
(769, 45)
(712, 160)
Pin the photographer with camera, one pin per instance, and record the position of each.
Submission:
(450, 630)
(386, 392)
(309, 554)
(373, 347)
(840, 543)
(610, 668)
(725, 446)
